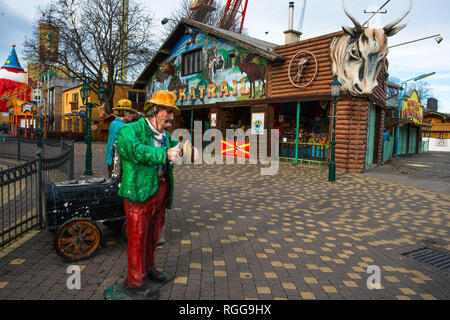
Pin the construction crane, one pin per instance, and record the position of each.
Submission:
(234, 11)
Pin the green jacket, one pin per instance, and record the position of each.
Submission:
(140, 160)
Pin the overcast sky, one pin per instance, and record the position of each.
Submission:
(322, 16)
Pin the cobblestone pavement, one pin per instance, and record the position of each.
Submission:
(234, 234)
(429, 171)
(99, 167)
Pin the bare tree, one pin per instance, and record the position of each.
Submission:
(95, 38)
(393, 92)
(423, 90)
(422, 87)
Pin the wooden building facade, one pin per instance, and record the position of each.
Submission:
(291, 93)
(359, 134)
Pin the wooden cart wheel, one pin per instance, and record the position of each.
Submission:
(77, 239)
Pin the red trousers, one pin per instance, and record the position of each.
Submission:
(144, 224)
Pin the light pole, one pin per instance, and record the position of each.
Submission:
(335, 87)
(85, 93)
(400, 104)
(437, 37)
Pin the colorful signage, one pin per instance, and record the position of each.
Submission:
(203, 69)
(412, 109)
(213, 120)
(257, 123)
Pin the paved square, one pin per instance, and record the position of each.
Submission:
(234, 234)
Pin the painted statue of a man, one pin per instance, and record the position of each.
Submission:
(124, 114)
(146, 151)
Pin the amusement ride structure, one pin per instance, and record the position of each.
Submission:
(233, 13)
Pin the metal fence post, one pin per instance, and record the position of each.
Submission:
(72, 161)
(18, 148)
(43, 144)
(39, 187)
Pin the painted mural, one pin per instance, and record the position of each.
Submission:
(228, 72)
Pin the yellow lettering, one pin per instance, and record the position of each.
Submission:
(212, 90)
(202, 91)
(193, 96)
(235, 87)
(243, 91)
(182, 97)
(224, 89)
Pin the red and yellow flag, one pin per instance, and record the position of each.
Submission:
(236, 148)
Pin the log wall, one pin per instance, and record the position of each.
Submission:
(278, 79)
(352, 113)
(351, 134)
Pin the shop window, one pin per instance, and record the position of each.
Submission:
(141, 97)
(191, 62)
(136, 97)
(441, 135)
(132, 96)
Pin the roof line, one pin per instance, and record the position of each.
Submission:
(261, 47)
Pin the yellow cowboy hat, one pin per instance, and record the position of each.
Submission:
(163, 98)
(124, 105)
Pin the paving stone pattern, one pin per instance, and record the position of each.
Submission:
(234, 234)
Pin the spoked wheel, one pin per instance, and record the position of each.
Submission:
(77, 239)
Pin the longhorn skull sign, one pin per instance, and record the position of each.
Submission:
(357, 56)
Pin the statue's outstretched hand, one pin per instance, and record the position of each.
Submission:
(174, 155)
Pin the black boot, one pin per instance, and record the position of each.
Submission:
(142, 291)
(158, 276)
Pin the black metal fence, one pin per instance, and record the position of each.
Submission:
(29, 163)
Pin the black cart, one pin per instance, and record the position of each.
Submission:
(74, 209)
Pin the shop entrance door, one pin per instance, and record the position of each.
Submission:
(412, 140)
(371, 135)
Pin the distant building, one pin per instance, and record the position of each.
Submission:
(438, 135)
(73, 112)
(432, 105)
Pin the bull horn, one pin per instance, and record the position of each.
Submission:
(358, 25)
(391, 25)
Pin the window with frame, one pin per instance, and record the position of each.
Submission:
(191, 62)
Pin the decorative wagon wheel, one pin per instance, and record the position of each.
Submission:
(302, 69)
(77, 239)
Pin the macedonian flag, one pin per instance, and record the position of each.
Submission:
(236, 148)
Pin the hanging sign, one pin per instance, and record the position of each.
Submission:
(257, 123)
(412, 109)
(213, 120)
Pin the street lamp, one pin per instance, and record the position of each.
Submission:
(85, 93)
(335, 87)
(423, 76)
(166, 20)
